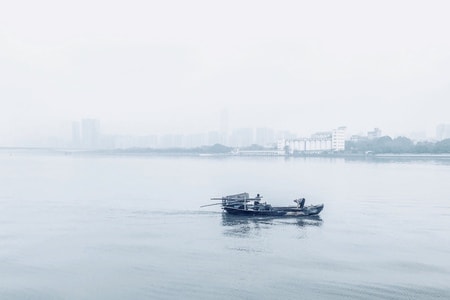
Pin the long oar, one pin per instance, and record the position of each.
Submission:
(228, 203)
(211, 204)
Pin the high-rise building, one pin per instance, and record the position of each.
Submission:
(223, 127)
(214, 137)
(90, 133)
(171, 141)
(195, 140)
(76, 136)
(443, 132)
(241, 137)
(264, 136)
(338, 139)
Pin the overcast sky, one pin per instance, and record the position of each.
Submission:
(171, 66)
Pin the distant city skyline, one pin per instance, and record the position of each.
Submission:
(63, 132)
(173, 67)
(63, 128)
(89, 133)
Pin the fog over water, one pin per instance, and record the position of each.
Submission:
(148, 76)
(170, 67)
(106, 227)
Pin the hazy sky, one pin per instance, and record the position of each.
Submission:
(171, 66)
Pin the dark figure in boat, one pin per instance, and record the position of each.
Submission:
(300, 202)
(257, 199)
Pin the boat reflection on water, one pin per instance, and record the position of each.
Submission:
(309, 221)
(237, 225)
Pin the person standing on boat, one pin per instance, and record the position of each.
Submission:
(302, 203)
(256, 203)
(257, 199)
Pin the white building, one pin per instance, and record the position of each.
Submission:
(316, 143)
(375, 134)
(338, 139)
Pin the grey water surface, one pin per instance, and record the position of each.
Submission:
(131, 227)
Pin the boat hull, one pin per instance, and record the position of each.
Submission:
(251, 212)
(277, 211)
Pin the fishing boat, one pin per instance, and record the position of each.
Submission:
(242, 204)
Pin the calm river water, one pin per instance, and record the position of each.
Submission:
(111, 227)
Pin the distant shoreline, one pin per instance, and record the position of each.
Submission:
(181, 152)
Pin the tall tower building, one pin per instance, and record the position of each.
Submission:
(443, 132)
(76, 136)
(90, 133)
(338, 139)
(241, 137)
(264, 136)
(224, 127)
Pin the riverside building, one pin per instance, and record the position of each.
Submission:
(329, 141)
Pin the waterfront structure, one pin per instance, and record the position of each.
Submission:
(375, 134)
(338, 139)
(262, 152)
(358, 138)
(329, 141)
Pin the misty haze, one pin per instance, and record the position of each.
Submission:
(224, 150)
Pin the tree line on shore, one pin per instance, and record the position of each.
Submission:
(401, 144)
(383, 144)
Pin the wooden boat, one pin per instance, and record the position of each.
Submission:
(242, 204)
